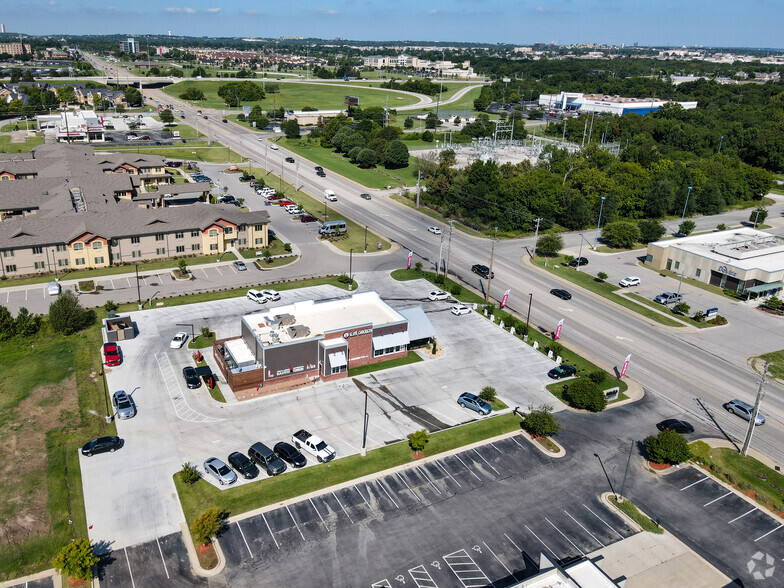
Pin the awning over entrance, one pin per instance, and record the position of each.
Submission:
(765, 287)
(337, 359)
(419, 327)
(391, 340)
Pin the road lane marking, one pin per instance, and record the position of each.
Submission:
(605, 522)
(295, 522)
(584, 529)
(694, 484)
(130, 571)
(343, 507)
(540, 541)
(768, 533)
(487, 462)
(407, 486)
(564, 536)
(741, 516)
(165, 569)
(245, 540)
(716, 499)
(270, 531)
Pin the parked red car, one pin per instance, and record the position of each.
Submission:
(111, 354)
(285, 202)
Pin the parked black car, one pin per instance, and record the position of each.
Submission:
(561, 293)
(578, 261)
(266, 459)
(562, 371)
(101, 445)
(481, 270)
(290, 454)
(191, 377)
(675, 425)
(241, 463)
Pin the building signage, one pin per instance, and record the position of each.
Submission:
(711, 312)
(723, 269)
(283, 372)
(355, 333)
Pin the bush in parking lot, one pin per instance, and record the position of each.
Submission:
(597, 376)
(667, 447)
(686, 227)
(487, 394)
(76, 560)
(207, 525)
(681, 308)
(585, 394)
(189, 474)
(601, 276)
(110, 306)
(418, 439)
(439, 279)
(418, 266)
(207, 333)
(344, 279)
(541, 422)
(556, 348)
(287, 247)
(456, 290)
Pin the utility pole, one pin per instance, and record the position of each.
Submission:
(492, 255)
(449, 248)
(440, 249)
(419, 177)
(536, 236)
(760, 396)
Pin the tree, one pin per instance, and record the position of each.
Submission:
(758, 215)
(681, 308)
(66, 315)
(133, 96)
(7, 326)
(487, 393)
(199, 72)
(418, 439)
(16, 75)
(246, 91)
(686, 227)
(549, 244)
(366, 158)
(66, 94)
(431, 122)
(396, 155)
(621, 234)
(166, 116)
(291, 129)
(541, 422)
(650, 230)
(447, 157)
(207, 525)
(668, 447)
(76, 560)
(192, 94)
(428, 136)
(408, 123)
(26, 324)
(601, 276)
(189, 474)
(583, 393)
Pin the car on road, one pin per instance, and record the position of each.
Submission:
(178, 340)
(562, 371)
(481, 270)
(365, 195)
(223, 473)
(289, 160)
(272, 295)
(675, 425)
(240, 462)
(629, 281)
(266, 459)
(290, 454)
(434, 230)
(224, 120)
(668, 298)
(111, 354)
(321, 174)
(101, 445)
(240, 266)
(307, 218)
(744, 411)
(472, 401)
(123, 405)
(191, 377)
(256, 296)
(459, 309)
(206, 117)
(578, 261)
(561, 293)
(438, 295)
(273, 147)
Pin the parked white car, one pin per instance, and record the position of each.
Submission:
(257, 296)
(178, 340)
(459, 309)
(438, 295)
(629, 281)
(272, 295)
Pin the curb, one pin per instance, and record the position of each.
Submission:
(194, 559)
(559, 454)
(57, 579)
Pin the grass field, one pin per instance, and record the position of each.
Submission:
(776, 359)
(411, 357)
(186, 131)
(661, 307)
(194, 150)
(7, 147)
(295, 96)
(411, 203)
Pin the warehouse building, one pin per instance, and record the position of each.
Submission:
(618, 105)
(289, 346)
(743, 260)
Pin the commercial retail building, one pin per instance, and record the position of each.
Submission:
(618, 105)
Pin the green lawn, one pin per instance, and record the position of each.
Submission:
(604, 289)
(776, 359)
(215, 391)
(193, 150)
(661, 307)
(412, 357)
(276, 262)
(465, 295)
(633, 513)
(19, 125)
(116, 269)
(411, 203)
(200, 342)
(7, 147)
(186, 131)
(203, 495)
(687, 280)
(295, 96)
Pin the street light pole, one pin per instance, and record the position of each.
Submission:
(350, 263)
(449, 248)
(528, 317)
(364, 427)
(490, 273)
(683, 216)
(138, 288)
(365, 238)
(598, 223)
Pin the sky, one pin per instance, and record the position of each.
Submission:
(725, 23)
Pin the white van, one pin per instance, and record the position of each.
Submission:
(330, 195)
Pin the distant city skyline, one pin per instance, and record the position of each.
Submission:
(722, 23)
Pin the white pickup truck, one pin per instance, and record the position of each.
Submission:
(313, 445)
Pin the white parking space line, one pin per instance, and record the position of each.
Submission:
(245, 540)
(694, 484)
(295, 522)
(360, 493)
(421, 578)
(333, 435)
(540, 541)
(741, 516)
(439, 464)
(487, 462)
(181, 407)
(768, 533)
(382, 584)
(564, 536)
(165, 569)
(496, 448)
(605, 522)
(388, 432)
(378, 483)
(424, 473)
(133, 584)
(513, 543)
(402, 479)
(370, 439)
(584, 529)
(716, 499)
(317, 512)
(466, 570)
(270, 531)
(449, 421)
(204, 272)
(508, 571)
(112, 283)
(26, 292)
(129, 281)
(343, 507)
(466, 467)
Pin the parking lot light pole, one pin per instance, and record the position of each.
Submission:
(598, 223)
(528, 317)
(365, 427)
(683, 216)
(628, 461)
(365, 238)
(596, 455)
(350, 262)
(138, 288)
(105, 393)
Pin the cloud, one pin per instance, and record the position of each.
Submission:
(179, 10)
(213, 10)
(550, 10)
(52, 3)
(432, 11)
(251, 12)
(329, 11)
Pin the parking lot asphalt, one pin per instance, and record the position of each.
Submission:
(474, 518)
(739, 538)
(39, 583)
(175, 425)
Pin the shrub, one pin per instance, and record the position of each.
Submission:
(541, 422)
(549, 245)
(189, 474)
(686, 227)
(207, 333)
(182, 265)
(774, 302)
(428, 137)
(601, 276)
(76, 560)
(556, 348)
(758, 215)
(668, 447)
(344, 279)
(66, 315)
(681, 308)
(721, 227)
(487, 394)
(110, 306)
(26, 324)
(650, 230)
(456, 290)
(583, 393)
(418, 439)
(730, 477)
(597, 376)
(699, 316)
(439, 279)
(287, 247)
(418, 266)
(207, 525)
(718, 320)
(7, 326)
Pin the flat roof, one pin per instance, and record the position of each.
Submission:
(321, 317)
(240, 352)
